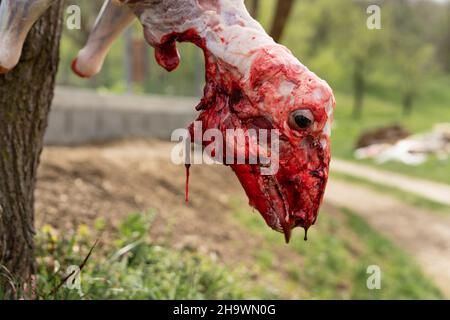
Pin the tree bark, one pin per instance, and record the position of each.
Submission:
(282, 13)
(25, 97)
(407, 102)
(446, 41)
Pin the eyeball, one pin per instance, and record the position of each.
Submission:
(301, 119)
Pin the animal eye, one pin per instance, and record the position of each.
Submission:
(301, 119)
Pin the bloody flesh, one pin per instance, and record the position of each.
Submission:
(251, 83)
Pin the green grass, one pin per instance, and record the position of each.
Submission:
(128, 267)
(336, 257)
(131, 266)
(332, 265)
(432, 107)
(406, 197)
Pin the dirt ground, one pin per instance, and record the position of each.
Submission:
(81, 184)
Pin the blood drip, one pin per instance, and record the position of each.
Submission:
(188, 167)
(167, 55)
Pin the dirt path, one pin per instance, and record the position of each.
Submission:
(424, 235)
(433, 191)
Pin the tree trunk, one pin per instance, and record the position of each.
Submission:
(128, 53)
(283, 10)
(446, 50)
(25, 97)
(359, 87)
(407, 101)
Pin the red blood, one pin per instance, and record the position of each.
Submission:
(167, 55)
(3, 70)
(76, 71)
(166, 52)
(188, 167)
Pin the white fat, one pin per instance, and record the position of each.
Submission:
(329, 108)
(232, 36)
(240, 45)
(327, 129)
(286, 88)
(317, 94)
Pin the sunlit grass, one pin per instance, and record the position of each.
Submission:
(335, 259)
(130, 266)
(332, 264)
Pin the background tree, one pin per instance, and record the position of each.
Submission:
(444, 40)
(358, 47)
(282, 12)
(411, 57)
(253, 7)
(25, 98)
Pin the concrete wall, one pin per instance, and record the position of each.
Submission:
(83, 116)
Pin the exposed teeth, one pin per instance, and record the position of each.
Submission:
(277, 223)
(272, 188)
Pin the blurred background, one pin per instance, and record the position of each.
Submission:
(106, 170)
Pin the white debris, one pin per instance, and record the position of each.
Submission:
(413, 150)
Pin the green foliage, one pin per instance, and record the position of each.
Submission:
(128, 267)
(335, 259)
(332, 265)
